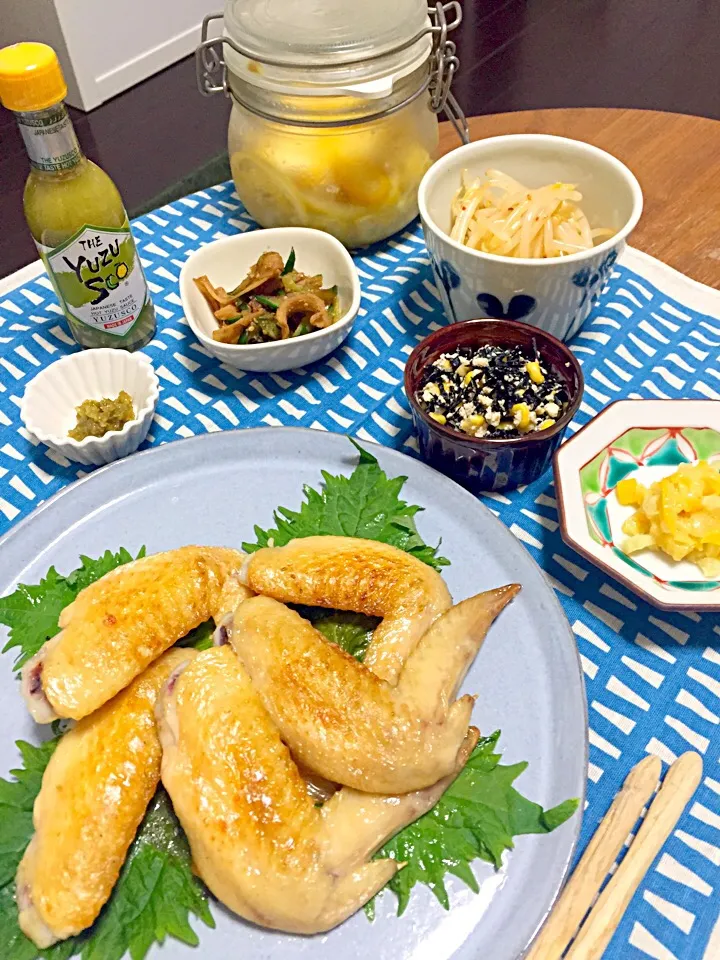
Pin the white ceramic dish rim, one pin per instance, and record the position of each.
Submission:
(347, 318)
(52, 440)
(427, 183)
(573, 522)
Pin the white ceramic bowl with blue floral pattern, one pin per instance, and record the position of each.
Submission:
(555, 294)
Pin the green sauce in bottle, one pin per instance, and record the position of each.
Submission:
(74, 211)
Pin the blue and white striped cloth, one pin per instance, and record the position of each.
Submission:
(653, 679)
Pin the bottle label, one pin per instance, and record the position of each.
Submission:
(49, 138)
(98, 278)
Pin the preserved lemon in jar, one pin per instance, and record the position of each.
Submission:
(334, 113)
(359, 183)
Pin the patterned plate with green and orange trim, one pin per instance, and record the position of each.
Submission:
(646, 439)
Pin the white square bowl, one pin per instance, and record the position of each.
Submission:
(227, 261)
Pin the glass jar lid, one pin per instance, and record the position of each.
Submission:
(337, 43)
(334, 47)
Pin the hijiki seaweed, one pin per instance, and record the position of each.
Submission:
(492, 391)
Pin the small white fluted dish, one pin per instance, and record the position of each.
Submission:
(557, 293)
(227, 261)
(48, 405)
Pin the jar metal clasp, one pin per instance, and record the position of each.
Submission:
(444, 17)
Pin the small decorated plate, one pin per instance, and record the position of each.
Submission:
(646, 440)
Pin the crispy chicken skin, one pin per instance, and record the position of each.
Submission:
(252, 828)
(122, 622)
(257, 839)
(93, 797)
(365, 576)
(342, 721)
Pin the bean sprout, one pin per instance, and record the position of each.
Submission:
(499, 215)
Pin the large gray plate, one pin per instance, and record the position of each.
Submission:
(212, 490)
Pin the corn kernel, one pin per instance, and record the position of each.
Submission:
(521, 413)
(472, 423)
(439, 417)
(534, 371)
(629, 492)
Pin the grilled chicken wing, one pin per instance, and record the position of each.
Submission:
(356, 824)
(122, 622)
(364, 576)
(257, 839)
(341, 720)
(93, 797)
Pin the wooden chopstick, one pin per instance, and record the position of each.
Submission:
(679, 785)
(601, 853)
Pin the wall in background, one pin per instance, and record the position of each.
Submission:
(161, 136)
(106, 50)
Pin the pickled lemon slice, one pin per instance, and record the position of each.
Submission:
(304, 159)
(362, 183)
(355, 185)
(354, 168)
(268, 197)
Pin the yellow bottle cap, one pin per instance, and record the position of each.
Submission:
(30, 77)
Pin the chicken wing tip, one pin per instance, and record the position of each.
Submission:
(31, 685)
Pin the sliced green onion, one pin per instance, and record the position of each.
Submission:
(302, 328)
(290, 262)
(267, 302)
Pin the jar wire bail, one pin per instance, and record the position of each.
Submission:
(211, 71)
(445, 66)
